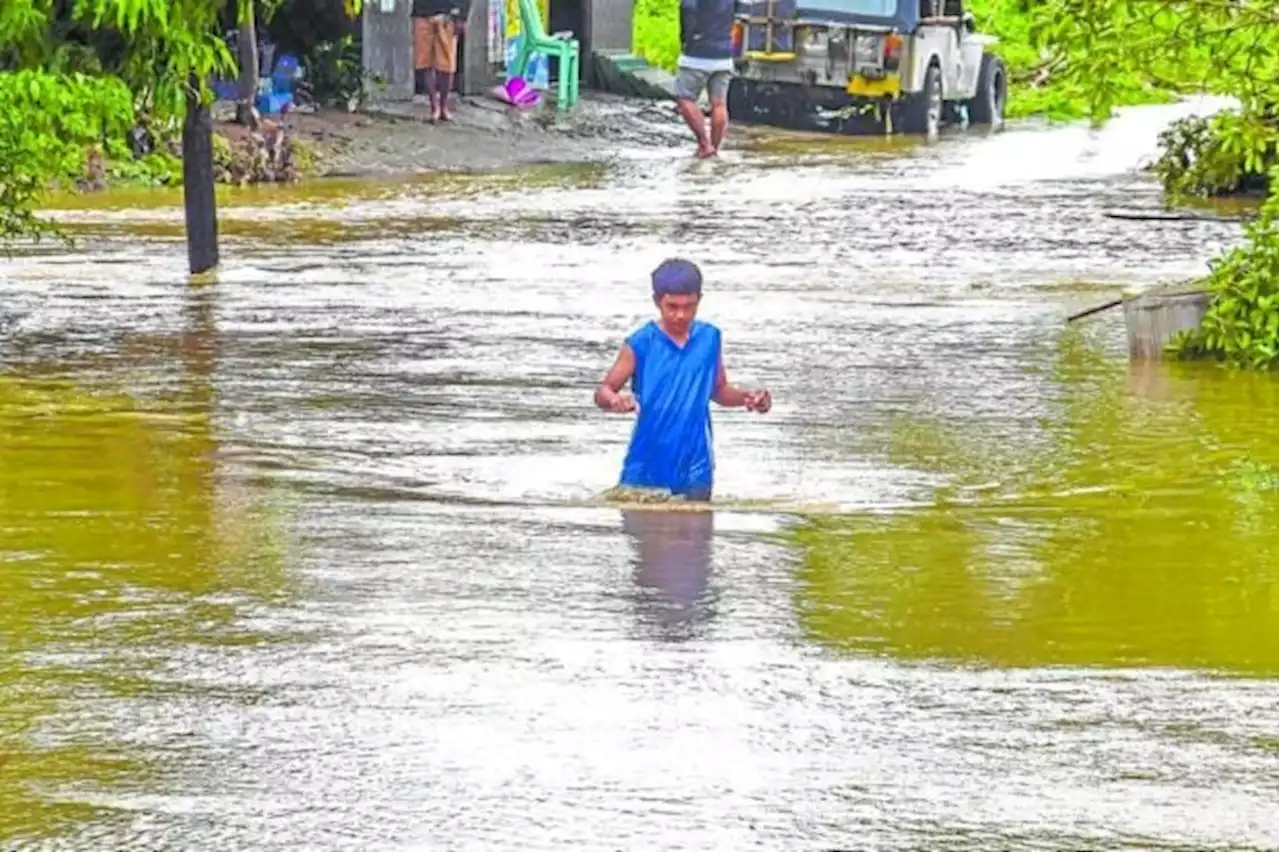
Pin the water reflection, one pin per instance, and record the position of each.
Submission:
(672, 568)
(1136, 526)
(121, 548)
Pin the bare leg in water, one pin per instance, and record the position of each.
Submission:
(698, 124)
(719, 124)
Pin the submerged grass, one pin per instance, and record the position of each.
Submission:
(1138, 529)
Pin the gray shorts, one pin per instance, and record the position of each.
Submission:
(690, 82)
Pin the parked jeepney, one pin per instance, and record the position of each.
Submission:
(852, 65)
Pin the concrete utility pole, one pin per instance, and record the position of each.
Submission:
(197, 182)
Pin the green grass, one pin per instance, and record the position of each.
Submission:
(655, 32)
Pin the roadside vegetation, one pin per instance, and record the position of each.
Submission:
(1222, 47)
(1039, 82)
(1071, 58)
(97, 91)
(655, 32)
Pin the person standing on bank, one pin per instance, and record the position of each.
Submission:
(437, 26)
(706, 63)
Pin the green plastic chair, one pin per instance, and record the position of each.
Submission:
(562, 45)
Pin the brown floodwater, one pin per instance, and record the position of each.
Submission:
(310, 554)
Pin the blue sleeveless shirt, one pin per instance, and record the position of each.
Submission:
(671, 443)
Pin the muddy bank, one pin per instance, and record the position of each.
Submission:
(484, 135)
(399, 139)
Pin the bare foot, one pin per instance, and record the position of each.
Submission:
(704, 152)
(445, 115)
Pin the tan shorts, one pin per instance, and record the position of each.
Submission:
(435, 44)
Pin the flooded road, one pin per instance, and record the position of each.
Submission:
(309, 556)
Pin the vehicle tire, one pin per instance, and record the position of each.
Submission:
(923, 113)
(987, 106)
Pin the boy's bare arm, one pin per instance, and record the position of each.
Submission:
(609, 395)
(732, 396)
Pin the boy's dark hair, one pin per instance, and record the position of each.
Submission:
(677, 277)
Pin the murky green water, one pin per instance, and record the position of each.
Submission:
(305, 556)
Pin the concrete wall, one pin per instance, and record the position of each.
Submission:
(1153, 318)
(474, 59)
(610, 25)
(387, 49)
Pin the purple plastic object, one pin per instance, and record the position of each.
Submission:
(517, 92)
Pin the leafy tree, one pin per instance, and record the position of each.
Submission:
(159, 48)
(1226, 47)
(1202, 156)
(166, 50)
(1241, 323)
(58, 54)
(46, 122)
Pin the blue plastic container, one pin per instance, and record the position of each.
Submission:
(285, 73)
(226, 90)
(271, 103)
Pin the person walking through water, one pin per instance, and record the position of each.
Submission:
(676, 371)
(437, 25)
(706, 63)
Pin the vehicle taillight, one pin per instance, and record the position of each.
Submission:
(892, 51)
(736, 36)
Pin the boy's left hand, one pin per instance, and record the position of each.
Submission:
(758, 401)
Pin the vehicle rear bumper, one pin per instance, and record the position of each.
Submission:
(824, 108)
(888, 86)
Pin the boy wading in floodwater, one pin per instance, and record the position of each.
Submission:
(675, 370)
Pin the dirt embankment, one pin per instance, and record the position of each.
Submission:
(485, 135)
